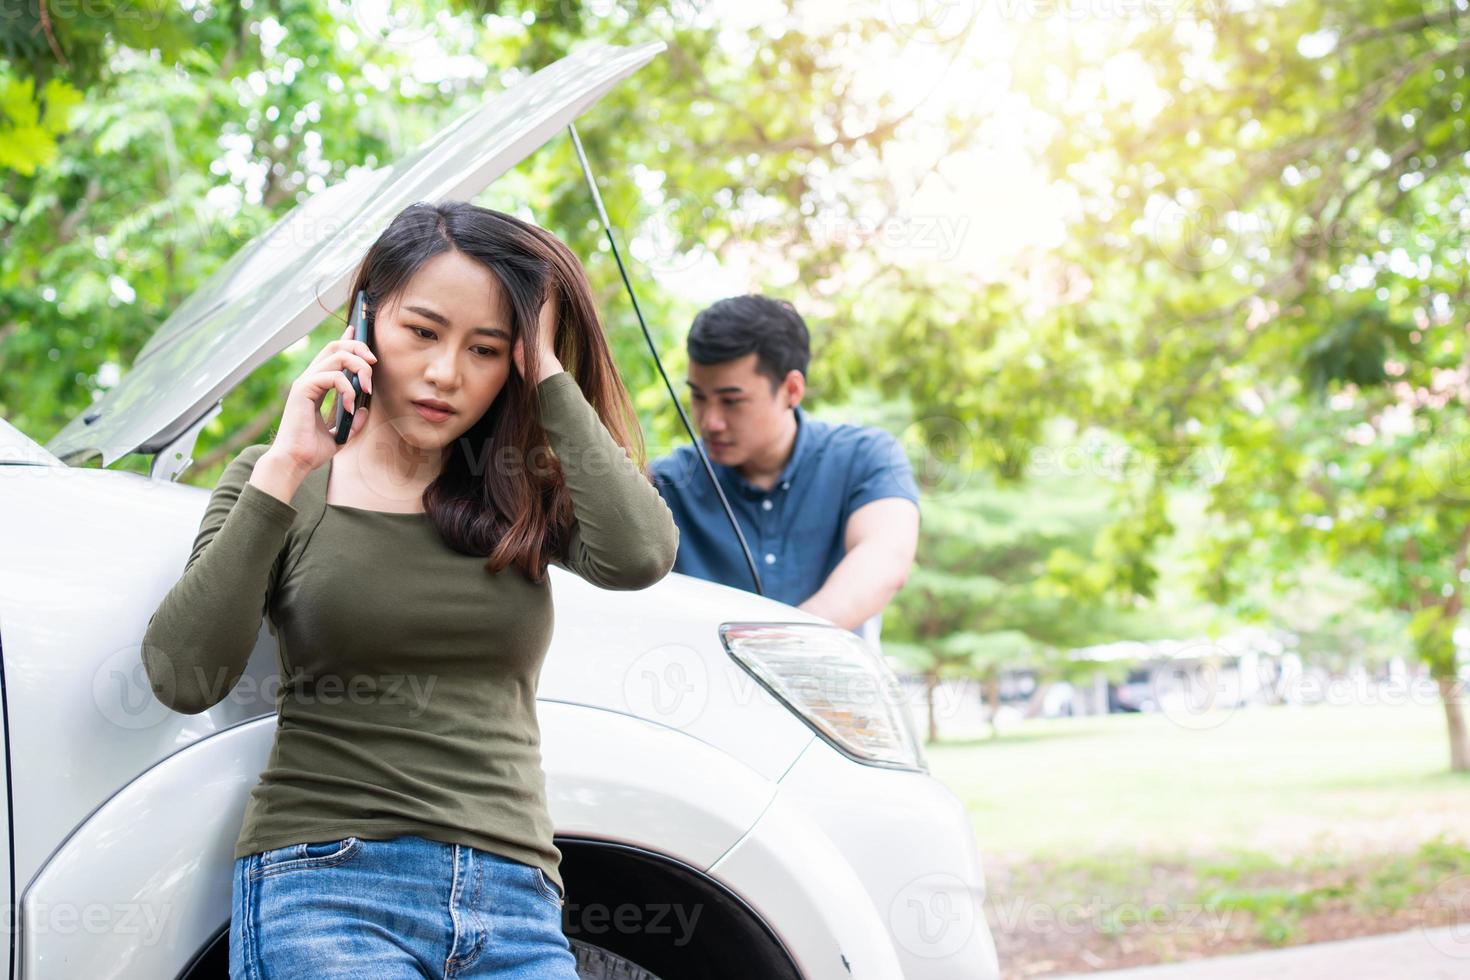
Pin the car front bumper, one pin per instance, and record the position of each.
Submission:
(867, 872)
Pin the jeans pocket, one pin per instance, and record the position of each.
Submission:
(548, 887)
(302, 857)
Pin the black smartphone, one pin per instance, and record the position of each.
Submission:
(357, 319)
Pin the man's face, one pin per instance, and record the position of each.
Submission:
(736, 412)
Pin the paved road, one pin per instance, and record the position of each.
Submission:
(1419, 954)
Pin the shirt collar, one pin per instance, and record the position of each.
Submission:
(800, 449)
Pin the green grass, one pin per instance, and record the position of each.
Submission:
(1277, 781)
(1284, 825)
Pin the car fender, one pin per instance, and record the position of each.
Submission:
(114, 901)
(789, 868)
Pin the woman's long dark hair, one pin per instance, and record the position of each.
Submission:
(501, 493)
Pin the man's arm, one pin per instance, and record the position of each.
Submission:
(881, 537)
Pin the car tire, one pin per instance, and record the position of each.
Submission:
(596, 963)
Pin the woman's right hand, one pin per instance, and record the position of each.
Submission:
(304, 438)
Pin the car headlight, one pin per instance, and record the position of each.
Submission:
(834, 682)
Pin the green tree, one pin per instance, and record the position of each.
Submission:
(1283, 210)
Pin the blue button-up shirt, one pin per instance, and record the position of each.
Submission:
(796, 529)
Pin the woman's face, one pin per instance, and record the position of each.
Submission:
(444, 338)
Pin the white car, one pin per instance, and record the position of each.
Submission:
(737, 791)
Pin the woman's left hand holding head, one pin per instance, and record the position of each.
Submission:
(546, 324)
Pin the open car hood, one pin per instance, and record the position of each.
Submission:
(280, 286)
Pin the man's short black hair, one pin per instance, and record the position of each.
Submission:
(739, 325)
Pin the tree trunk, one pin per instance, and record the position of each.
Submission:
(1451, 695)
(992, 700)
(1037, 699)
(1434, 642)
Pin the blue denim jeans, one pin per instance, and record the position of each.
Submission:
(393, 909)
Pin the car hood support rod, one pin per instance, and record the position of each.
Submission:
(627, 283)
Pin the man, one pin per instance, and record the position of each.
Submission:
(830, 511)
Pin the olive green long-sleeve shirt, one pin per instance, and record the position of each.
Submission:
(408, 673)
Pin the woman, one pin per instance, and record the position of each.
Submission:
(400, 828)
